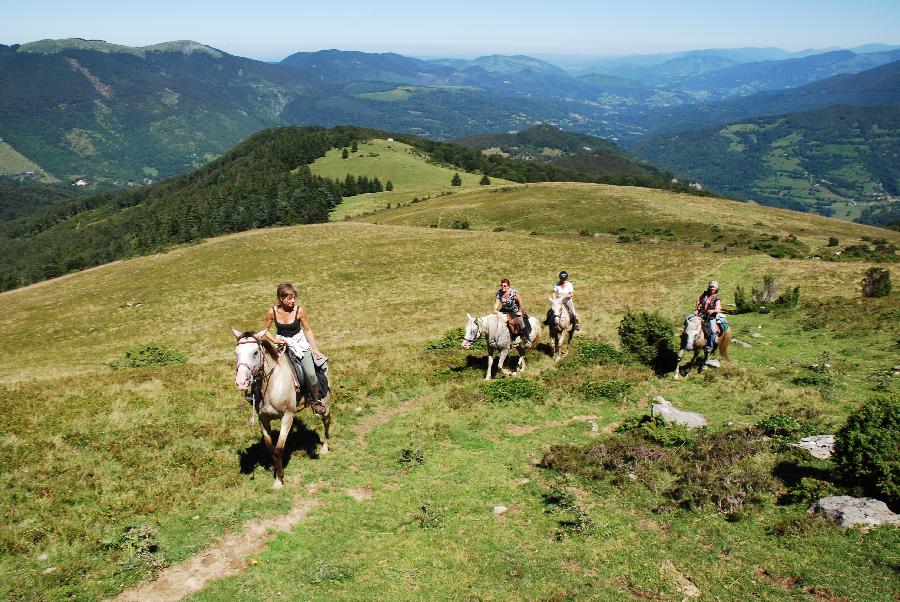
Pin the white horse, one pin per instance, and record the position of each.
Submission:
(694, 339)
(267, 374)
(560, 323)
(493, 328)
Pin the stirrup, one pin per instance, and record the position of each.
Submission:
(318, 407)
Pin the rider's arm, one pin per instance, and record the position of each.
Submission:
(307, 330)
(270, 317)
(717, 308)
(569, 295)
(496, 305)
(521, 307)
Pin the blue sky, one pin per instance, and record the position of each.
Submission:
(273, 30)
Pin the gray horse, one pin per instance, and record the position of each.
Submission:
(560, 323)
(266, 372)
(694, 339)
(493, 328)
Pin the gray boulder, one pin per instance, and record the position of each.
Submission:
(669, 413)
(848, 511)
(819, 446)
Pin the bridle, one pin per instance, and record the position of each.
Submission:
(476, 334)
(254, 370)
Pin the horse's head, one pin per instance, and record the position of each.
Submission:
(556, 308)
(693, 329)
(249, 357)
(472, 331)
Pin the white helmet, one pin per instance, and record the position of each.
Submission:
(713, 284)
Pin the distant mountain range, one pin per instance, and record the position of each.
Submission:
(111, 116)
(835, 159)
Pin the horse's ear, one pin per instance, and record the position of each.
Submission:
(552, 299)
(261, 333)
(468, 315)
(237, 333)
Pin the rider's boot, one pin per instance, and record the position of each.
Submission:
(318, 406)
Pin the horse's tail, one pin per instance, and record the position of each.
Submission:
(723, 344)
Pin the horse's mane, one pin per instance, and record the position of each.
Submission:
(266, 344)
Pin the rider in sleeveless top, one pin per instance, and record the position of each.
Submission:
(507, 301)
(566, 292)
(708, 306)
(295, 333)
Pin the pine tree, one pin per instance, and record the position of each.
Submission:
(389, 186)
(354, 147)
(345, 153)
(484, 180)
(456, 181)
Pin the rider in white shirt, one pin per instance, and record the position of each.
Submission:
(565, 292)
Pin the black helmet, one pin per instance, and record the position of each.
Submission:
(563, 275)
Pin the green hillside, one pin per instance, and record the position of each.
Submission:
(602, 159)
(837, 160)
(115, 474)
(264, 181)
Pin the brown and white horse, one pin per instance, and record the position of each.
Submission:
(694, 339)
(560, 323)
(493, 328)
(266, 373)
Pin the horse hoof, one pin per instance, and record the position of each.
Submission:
(324, 449)
(278, 484)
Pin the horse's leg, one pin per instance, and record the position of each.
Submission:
(501, 363)
(677, 374)
(569, 341)
(326, 424)
(287, 419)
(520, 367)
(264, 422)
(490, 364)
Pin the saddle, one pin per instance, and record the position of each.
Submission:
(321, 375)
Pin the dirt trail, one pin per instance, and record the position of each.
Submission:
(228, 556)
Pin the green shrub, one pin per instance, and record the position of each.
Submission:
(877, 283)
(809, 490)
(763, 300)
(411, 456)
(867, 448)
(459, 224)
(510, 390)
(452, 339)
(657, 430)
(612, 390)
(833, 242)
(148, 356)
(648, 337)
(587, 352)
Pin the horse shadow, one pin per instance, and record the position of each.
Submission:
(301, 438)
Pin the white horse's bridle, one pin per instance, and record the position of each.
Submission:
(476, 334)
(254, 370)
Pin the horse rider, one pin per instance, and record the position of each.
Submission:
(564, 291)
(292, 330)
(708, 306)
(507, 301)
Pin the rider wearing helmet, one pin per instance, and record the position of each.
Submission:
(564, 291)
(709, 306)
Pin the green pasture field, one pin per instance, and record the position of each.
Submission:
(109, 475)
(406, 167)
(570, 208)
(13, 162)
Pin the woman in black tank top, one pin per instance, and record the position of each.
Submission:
(290, 320)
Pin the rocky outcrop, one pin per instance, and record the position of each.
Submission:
(848, 511)
(669, 413)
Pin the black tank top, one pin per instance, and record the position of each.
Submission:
(287, 330)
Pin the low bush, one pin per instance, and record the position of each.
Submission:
(764, 300)
(452, 339)
(587, 352)
(510, 390)
(611, 390)
(877, 283)
(648, 337)
(867, 448)
(657, 430)
(775, 246)
(149, 356)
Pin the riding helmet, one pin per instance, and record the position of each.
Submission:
(563, 275)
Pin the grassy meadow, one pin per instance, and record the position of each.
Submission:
(110, 475)
(403, 165)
